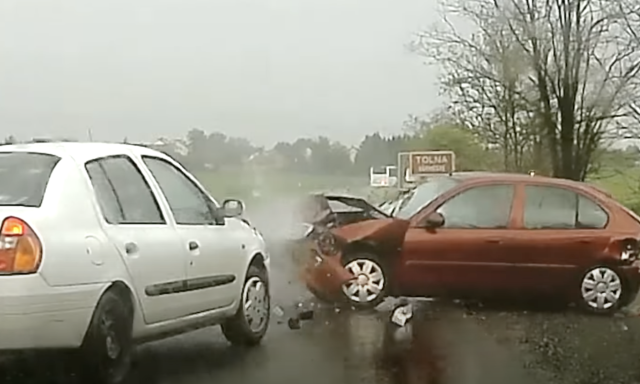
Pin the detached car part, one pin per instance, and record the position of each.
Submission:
(340, 229)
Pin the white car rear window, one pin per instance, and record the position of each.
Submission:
(24, 177)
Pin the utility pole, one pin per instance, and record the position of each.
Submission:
(89, 134)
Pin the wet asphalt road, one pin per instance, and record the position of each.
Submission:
(446, 343)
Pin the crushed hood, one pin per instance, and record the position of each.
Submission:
(352, 219)
(318, 207)
(353, 202)
(388, 232)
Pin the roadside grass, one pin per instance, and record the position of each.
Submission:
(251, 185)
(623, 185)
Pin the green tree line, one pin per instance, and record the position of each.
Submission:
(201, 151)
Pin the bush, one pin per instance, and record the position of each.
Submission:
(633, 205)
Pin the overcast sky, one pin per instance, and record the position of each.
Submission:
(268, 70)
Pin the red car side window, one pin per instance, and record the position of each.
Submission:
(549, 207)
(486, 207)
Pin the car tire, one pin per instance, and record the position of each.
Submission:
(105, 354)
(602, 290)
(251, 321)
(369, 291)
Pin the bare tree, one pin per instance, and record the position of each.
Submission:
(630, 12)
(482, 76)
(551, 76)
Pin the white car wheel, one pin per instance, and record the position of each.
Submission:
(367, 288)
(601, 290)
(256, 304)
(250, 323)
(105, 354)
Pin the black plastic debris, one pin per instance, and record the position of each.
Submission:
(306, 314)
(304, 311)
(294, 323)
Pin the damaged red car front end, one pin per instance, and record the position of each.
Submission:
(340, 226)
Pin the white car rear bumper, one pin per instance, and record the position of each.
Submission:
(34, 315)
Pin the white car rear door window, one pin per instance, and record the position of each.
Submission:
(120, 180)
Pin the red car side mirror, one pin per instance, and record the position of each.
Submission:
(434, 220)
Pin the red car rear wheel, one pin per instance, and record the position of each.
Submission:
(602, 290)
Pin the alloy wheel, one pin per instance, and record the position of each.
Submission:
(255, 300)
(601, 288)
(368, 283)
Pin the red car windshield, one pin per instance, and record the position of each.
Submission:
(417, 198)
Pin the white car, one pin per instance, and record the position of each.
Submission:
(103, 246)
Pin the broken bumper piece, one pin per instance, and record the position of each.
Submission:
(324, 275)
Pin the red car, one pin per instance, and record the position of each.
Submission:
(477, 236)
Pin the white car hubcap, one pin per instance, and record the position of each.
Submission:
(368, 282)
(255, 300)
(601, 288)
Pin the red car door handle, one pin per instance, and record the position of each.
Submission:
(494, 241)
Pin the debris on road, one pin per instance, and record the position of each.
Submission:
(278, 311)
(303, 312)
(402, 313)
(294, 323)
(307, 314)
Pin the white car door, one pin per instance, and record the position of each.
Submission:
(214, 250)
(143, 235)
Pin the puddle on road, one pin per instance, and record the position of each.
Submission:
(428, 350)
(381, 352)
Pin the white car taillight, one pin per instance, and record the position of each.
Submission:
(20, 248)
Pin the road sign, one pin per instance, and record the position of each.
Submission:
(405, 160)
(431, 162)
(403, 168)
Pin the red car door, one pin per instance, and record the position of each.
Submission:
(559, 235)
(469, 254)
